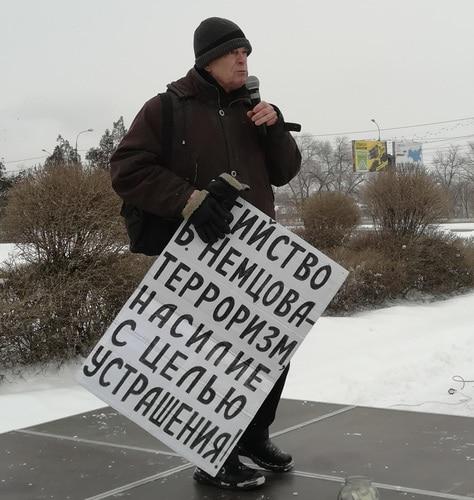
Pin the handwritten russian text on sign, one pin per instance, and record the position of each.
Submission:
(201, 342)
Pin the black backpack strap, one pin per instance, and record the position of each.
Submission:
(292, 127)
(149, 233)
(167, 126)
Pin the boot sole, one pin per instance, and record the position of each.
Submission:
(257, 483)
(264, 465)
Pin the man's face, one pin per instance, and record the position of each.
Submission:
(230, 70)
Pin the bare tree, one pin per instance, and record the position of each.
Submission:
(465, 197)
(469, 164)
(324, 167)
(5, 183)
(344, 179)
(455, 173)
(448, 167)
(306, 180)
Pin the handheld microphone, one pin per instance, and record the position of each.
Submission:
(252, 85)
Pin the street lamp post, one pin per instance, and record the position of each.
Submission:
(372, 120)
(50, 155)
(77, 137)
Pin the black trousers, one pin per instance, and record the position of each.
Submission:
(265, 415)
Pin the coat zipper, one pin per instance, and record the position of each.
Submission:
(226, 142)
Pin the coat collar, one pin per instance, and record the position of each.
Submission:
(205, 88)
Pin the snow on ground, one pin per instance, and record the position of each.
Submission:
(460, 229)
(407, 357)
(402, 357)
(414, 356)
(6, 251)
(40, 396)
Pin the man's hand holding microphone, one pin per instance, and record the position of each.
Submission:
(262, 114)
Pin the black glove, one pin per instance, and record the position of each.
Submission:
(210, 219)
(209, 210)
(226, 189)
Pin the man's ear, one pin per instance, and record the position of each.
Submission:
(209, 67)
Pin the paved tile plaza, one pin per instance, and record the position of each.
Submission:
(100, 454)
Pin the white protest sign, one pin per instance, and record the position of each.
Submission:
(199, 345)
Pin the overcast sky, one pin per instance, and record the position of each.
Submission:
(331, 65)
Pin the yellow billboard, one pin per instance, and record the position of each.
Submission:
(369, 156)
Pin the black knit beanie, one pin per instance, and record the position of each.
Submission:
(216, 36)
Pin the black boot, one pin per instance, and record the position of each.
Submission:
(265, 454)
(233, 475)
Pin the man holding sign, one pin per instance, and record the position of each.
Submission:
(223, 144)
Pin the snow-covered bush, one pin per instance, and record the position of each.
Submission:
(72, 275)
(385, 267)
(404, 203)
(329, 219)
(62, 215)
(53, 316)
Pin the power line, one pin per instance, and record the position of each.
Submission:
(326, 135)
(392, 128)
(37, 157)
(427, 140)
(446, 148)
(27, 159)
(445, 139)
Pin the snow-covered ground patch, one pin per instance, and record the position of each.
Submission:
(461, 229)
(40, 396)
(407, 357)
(7, 250)
(410, 357)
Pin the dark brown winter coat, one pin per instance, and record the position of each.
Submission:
(211, 135)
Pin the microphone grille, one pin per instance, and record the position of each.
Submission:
(252, 83)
